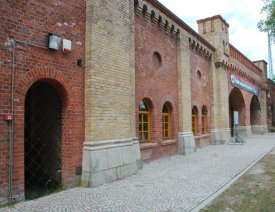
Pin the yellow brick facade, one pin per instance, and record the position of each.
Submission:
(110, 70)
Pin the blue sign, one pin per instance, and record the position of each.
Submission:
(238, 82)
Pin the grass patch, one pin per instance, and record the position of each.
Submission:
(253, 192)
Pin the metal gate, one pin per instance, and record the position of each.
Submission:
(42, 140)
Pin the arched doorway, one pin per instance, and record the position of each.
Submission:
(236, 103)
(272, 115)
(42, 130)
(255, 111)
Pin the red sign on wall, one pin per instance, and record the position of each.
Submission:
(8, 117)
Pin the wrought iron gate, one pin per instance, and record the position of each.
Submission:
(42, 140)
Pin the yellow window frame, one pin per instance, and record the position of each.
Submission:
(203, 121)
(194, 123)
(142, 124)
(166, 131)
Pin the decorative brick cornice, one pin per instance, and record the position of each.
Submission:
(181, 25)
(197, 47)
(166, 23)
(237, 55)
(148, 12)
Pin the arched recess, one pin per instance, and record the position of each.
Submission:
(255, 111)
(236, 103)
(71, 109)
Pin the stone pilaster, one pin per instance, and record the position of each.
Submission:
(220, 105)
(186, 141)
(109, 91)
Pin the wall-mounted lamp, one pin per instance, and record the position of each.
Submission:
(54, 41)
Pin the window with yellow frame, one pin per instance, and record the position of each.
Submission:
(194, 120)
(204, 120)
(144, 122)
(166, 123)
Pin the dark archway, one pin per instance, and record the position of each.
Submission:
(255, 111)
(42, 135)
(272, 115)
(236, 103)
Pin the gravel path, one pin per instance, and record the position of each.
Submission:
(178, 183)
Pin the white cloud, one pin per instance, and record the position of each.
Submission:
(241, 15)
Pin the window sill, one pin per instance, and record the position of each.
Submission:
(168, 142)
(147, 145)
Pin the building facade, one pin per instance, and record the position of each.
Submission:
(136, 85)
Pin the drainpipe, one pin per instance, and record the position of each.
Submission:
(11, 127)
(11, 123)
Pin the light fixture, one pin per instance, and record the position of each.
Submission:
(67, 46)
(54, 41)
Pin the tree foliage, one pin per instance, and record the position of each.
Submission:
(268, 24)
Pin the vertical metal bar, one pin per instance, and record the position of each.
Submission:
(270, 71)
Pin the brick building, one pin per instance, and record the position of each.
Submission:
(44, 90)
(147, 84)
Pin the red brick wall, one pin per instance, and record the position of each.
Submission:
(200, 88)
(271, 106)
(157, 84)
(31, 21)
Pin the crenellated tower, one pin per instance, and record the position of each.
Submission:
(215, 30)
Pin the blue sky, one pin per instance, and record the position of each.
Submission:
(241, 15)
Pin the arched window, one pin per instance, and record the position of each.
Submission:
(204, 120)
(194, 119)
(166, 122)
(144, 122)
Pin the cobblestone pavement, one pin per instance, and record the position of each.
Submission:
(178, 183)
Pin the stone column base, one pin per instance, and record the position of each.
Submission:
(220, 136)
(107, 161)
(186, 143)
(244, 131)
(259, 129)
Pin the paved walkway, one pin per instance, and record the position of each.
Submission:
(178, 183)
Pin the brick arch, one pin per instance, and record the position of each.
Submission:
(255, 111)
(52, 76)
(71, 111)
(167, 99)
(237, 103)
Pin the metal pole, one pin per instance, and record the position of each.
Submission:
(270, 69)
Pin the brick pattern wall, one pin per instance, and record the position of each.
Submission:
(31, 21)
(156, 84)
(200, 89)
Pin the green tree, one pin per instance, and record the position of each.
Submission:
(268, 24)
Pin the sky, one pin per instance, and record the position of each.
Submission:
(241, 15)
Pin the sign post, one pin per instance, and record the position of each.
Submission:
(236, 138)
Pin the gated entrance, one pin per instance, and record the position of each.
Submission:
(42, 140)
